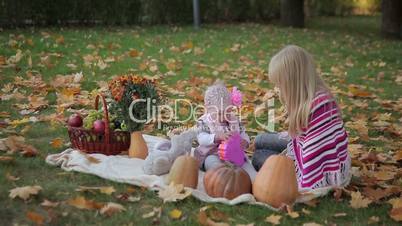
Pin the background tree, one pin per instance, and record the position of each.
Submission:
(292, 13)
(391, 18)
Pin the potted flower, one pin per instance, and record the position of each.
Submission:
(132, 94)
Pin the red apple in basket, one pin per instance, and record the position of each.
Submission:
(99, 126)
(75, 120)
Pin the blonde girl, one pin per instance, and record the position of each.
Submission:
(316, 138)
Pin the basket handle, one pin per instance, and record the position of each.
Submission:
(106, 116)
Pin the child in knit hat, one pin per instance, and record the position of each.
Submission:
(216, 126)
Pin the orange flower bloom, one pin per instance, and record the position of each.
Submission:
(117, 85)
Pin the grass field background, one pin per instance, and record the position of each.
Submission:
(347, 50)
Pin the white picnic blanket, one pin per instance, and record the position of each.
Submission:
(123, 169)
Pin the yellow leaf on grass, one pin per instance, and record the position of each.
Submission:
(28, 150)
(203, 218)
(356, 150)
(396, 211)
(174, 192)
(134, 53)
(187, 45)
(173, 65)
(130, 189)
(24, 192)
(3, 60)
(11, 177)
(111, 208)
(306, 211)
(6, 159)
(30, 62)
(396, 202)
(105, 190)
(396, 214)
(175, 214)
(384, 175)
(148, 215)
(398, 155)
(60, 39)
(15, 58)
(57, 142)
(17, 122)
(373, 220)
(273, 219)
(156, 212)
(311, 224)
(340, 215)
(198, 51)
(46, 61)
(361, 127)
(26, 129)
(153, 68)
(356, 91)
(35, 217)
(101, 64)
(235, 48)
(81, 203)
(17, 143)
(47, 203)
(358, 201)
(293, 214)
(12, 142)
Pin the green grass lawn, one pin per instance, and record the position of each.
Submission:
(347, 50)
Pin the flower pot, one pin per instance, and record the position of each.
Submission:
(138, 147)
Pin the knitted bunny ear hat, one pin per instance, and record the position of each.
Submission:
(217, 96)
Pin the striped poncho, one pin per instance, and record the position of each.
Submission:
(320, 150)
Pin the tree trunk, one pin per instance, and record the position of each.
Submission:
(391, 18)
(292, 13)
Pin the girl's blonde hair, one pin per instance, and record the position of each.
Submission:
(293, 71)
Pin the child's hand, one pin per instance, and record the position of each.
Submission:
(221, 137)
(244, 144)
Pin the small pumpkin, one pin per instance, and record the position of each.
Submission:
(275, 183)
(184, 171)
(227, 180)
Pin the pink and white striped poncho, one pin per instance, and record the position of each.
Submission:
(320, 152)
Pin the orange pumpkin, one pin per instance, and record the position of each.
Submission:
(275, 183)
(227, 180)
(184, 171)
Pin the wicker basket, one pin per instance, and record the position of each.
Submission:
(109, 143)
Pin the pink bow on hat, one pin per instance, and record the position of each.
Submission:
(236, 97)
